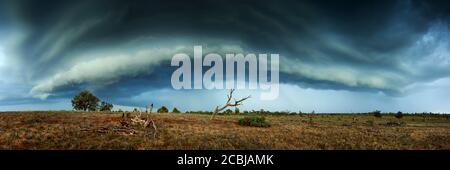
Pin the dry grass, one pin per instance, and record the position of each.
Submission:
(75, 130)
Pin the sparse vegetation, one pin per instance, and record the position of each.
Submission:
(257, 121)
(394, 123)
(98, 130)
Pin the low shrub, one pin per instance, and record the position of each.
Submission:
(394, 123)
(256, 121)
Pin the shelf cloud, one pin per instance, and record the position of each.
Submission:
(121, 50)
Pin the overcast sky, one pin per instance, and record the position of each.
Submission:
(335, 56)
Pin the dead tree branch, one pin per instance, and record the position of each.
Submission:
(140, 120)
(229, 103)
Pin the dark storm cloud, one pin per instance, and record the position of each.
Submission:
(350, 45)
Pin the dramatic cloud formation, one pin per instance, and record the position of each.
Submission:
(375, 54)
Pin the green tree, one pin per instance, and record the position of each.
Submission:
(175, 110)
(85, 101)
(105, 106)
(163, 109)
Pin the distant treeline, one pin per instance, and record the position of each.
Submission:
(374, 113)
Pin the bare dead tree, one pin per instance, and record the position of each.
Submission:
(228, 103)
(140, 120)
(153, 122)
(147, 110)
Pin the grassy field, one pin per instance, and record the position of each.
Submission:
(77, 130)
